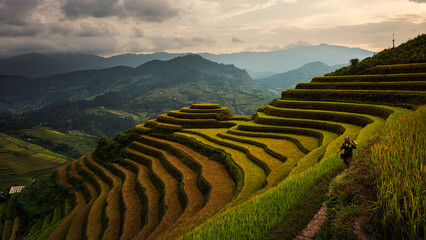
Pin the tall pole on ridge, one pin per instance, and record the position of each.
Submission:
(393, 40)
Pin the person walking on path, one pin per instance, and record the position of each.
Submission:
(348, 145)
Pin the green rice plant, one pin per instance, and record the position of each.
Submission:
(397, 98)
(253, 176)
(185, 115)
(187, 123)
(291, 151)
(351, 118)
(7, 228)
(242, 117)
(35, 227)
(202, 110)
(56, 220)
(160, 127)
(60, 231)
(68, 206)
(262, 118)
(320, 135)
(255, 218)
(368, 109)
(399, 68)
(45, 221)
(398, 161)
(141, 129)
(205, 106)
(265, 145)
(304, 143)
(132, 220)
(401, 86)
(149, 124)
(210, 134)
(405, 77)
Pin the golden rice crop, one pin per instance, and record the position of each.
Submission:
(76, 230)
(254, 176)
(174, 209)
(113, 203)
(94, 220)
(132, 220)
(152, 194)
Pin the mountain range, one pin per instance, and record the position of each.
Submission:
(282, 81)
(258, 64)
(104, 102)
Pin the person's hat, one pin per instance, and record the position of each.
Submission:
(347, 138)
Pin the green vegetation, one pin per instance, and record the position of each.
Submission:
(41, 197)
(412, 51)
(72, 144)
(20, 161)
(412, 77)
(105, 102)
(382, 192)
(388, 97)
(398, 170)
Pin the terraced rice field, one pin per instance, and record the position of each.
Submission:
(20, 161)
(200, 173)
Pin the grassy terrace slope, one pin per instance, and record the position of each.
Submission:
(202, 173)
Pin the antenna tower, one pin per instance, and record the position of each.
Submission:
(393, 40)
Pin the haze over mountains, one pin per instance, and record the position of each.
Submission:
(38, 65)
(282, 81)
(111, 100)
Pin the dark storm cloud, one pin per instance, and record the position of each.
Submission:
(16, 12)
(74, 9)
(147, 10)
(62, 29)
(237, 40)
(151, 10)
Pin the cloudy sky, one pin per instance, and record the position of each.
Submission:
(108, 27)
